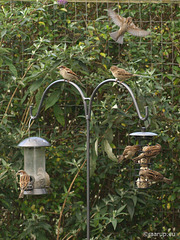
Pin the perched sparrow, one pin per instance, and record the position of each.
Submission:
(153, 150)
(68, 74)
(129, 152)
(154, 176)
(120, 73)
(47, 179)
(42, 179)
(144, 162)
(23, 182)
(141, 182)
(149, 152)
(126, 25)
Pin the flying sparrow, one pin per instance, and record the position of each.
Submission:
(126, 25)
(154, 176)
(68, 74)
(120, 73)
(23, 181)
(149, 152)
(129, 152)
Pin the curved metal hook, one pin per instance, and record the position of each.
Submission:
(47, 89)
(129, 90)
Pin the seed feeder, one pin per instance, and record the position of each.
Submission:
(35, 165)
(143, 159)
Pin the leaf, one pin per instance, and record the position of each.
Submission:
(172, 197)
(101, 18)
(3, 33)
(2, 175)
(109, 135)
(91, 28)
(134, 198)
(108, 150)
(121, 208)
(103, 54)
(168, 206)
(130, 208)
(35, 85)
(63, 9)
(114, 223)
(41, 23)
(4, 50)
(96, 146)
(59, 114)
(1, 62)
(52, 99)
(115, 106)
(178, 59)
(93, 160)
(12, 68)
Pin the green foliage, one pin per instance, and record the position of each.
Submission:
(36, 37)
(35, 228)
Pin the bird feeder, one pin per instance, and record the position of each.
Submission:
(142, 161)
(35, 165)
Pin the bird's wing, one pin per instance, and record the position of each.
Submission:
(154, 175)
(125, 152)
(69, 71)
(132, 29)
(128, 147)
(147, 174)
(24, 180)
(123, 72)
(118, 20)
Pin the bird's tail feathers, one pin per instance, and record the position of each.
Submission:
(137, 75)
(116, 37)
(21, 195)
(80, 82)
(120, 158)
(168, 181)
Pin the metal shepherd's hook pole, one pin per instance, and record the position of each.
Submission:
(88, 109)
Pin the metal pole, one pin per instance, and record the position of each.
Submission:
(88, 177)
(87, 109)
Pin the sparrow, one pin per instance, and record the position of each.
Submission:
(126, 25)
(141, 182)
(47, 180)
(144, 162)
(149, 152)
(68, 74)
(129, 152)
(23, 181)
(120, 73)
(42, 179)
(154, 176)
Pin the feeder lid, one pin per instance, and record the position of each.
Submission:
(143, 133)
(34, 142)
